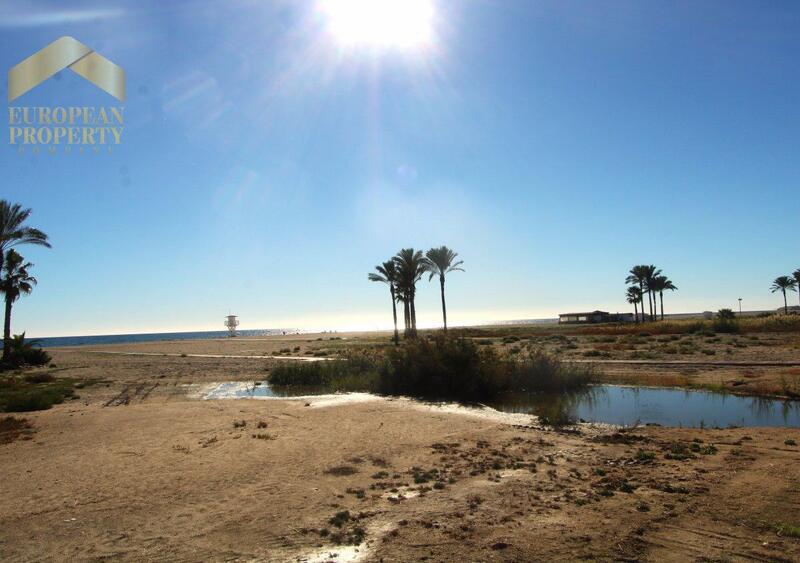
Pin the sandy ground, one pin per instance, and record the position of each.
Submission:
(138, 470)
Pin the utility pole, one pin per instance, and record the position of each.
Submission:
(740, 306)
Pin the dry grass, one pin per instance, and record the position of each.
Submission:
(13, 428)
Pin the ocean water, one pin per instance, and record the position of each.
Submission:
(53, 341)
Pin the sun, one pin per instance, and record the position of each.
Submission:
(394, 24)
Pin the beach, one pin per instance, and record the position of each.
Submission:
(140, 467)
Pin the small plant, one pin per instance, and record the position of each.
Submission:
(41, 377)
(340, 518)
(644, 456)
(12, 428)
(788, 530)
(790, 442)
(680, 452)
(359, 493)
(341, 470)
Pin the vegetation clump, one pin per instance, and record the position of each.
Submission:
(12, 428)
(24, 394)
(22, 352)
(725, 321)
(438, 368)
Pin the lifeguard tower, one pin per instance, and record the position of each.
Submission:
(231, 322)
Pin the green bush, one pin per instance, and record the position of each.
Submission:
(22, 396)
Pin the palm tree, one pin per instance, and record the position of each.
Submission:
(17, 281)
(441, 261)
(387, 273)
(796, 276)
(13, 232)
(782, 283)
(411, 264)
(660, 284)
(638, 275)
(634, 296)
(651, 273)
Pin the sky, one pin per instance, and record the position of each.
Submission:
(272, 156)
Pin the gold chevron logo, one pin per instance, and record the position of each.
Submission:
(66, 52)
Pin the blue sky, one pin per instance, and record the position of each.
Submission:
(266, 167)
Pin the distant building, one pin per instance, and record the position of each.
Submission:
(595, 317)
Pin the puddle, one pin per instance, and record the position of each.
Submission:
(603, 404)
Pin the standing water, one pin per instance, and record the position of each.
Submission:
(611, 404)
(626, 406)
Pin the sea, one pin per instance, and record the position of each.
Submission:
(53, 341)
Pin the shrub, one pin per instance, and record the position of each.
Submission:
(439, 367)
(25, 352)
(25, 398)
(41, 377)
(726, 322)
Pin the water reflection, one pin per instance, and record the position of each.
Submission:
(602, 403)
(647, 405)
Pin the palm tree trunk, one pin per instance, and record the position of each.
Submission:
(413, 316)
(7, 329)
(785, 304)
(641, 298)
(444, 307)
(661, 296)
(406, 317)
(636, 312)
(394, 315)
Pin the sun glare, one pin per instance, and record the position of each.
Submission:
(400, 24)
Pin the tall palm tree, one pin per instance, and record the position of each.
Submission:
(796, 276)
(660, 284)
(634, 296)
(782, 283)
(387, 273)
(411, 264)
(638, 276)
(15, 282)
(14, 232)
(442, 261)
